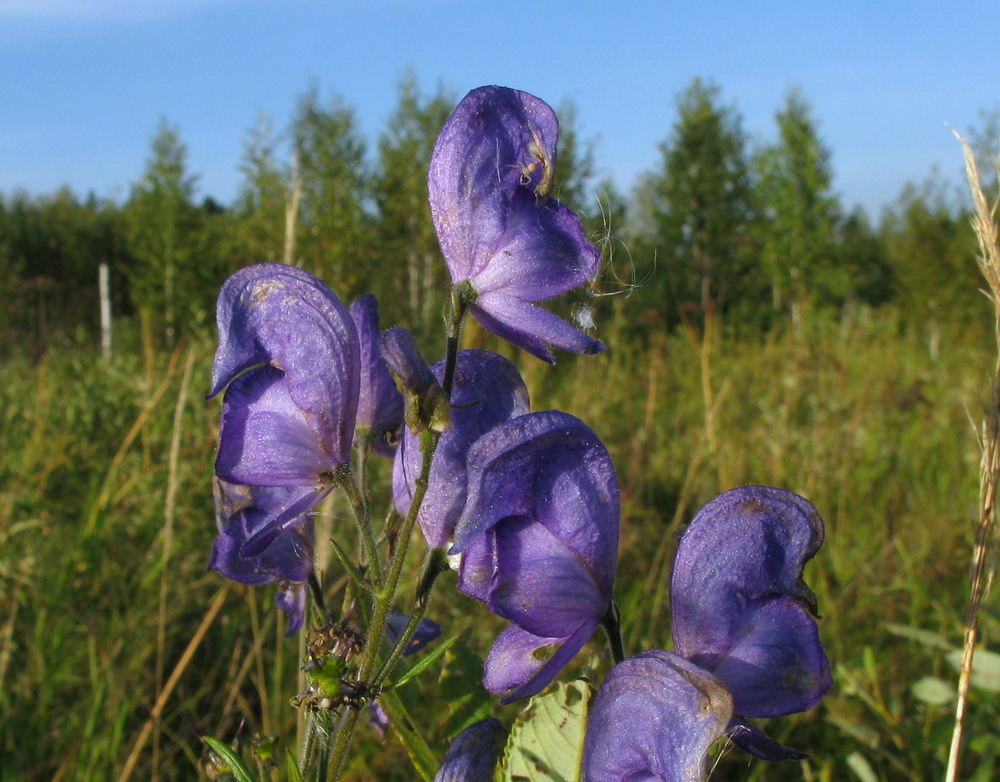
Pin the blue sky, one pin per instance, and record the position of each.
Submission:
(84, 82)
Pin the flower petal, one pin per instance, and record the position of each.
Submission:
(514, 663)
(553, 469)
(530, 327)
(380, 405)
(473, 754)
(748, 544)
(264, 438)
(541, 254)
(760, 745)
(241, 511)
(283, 316)
(300, 501)
(540, 584)
(292, 600)
(654, 718)
(487, 390)
(496, 141)
(776, 664)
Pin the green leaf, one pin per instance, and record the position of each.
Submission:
(933, 691)
(857, 763)
(327, 676)
(292, 767)
(236, 765)
(421, 665)
(925, 637)
(985, 668)
(460, 687)
(546, 741)
(345, 560)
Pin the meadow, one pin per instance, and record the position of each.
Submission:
(119, 649)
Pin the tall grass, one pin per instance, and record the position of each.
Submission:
(118, 648)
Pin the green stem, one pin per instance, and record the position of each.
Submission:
(383, 597)
(456, 312)
(344, 477)
(435, 563)
(420, 753)
(612, 622)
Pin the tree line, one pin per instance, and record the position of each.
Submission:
(721, 224)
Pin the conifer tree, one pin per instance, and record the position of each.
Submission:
(160, 219)
(411, 275)
(798, 211)
(697, 205)
(333, 228)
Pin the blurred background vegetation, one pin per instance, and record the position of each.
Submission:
(758, 332)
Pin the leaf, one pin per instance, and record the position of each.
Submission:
(460, 686)
(292, 767)
(925, 637)
(857, 763)
(985, 668)
(425, 662)
(933, 691)
(546, 741)
(345, 560)
(236, 765)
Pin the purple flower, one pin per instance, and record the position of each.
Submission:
(506, 242)
(427, 630)
(288, 352)
(740, 609)
(426, 404)
(655, 717)
(240, 511)
(539, 542)
(473, 754)
(380, 405)
(745, 645)
(487, 390)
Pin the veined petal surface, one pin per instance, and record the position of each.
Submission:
(654, 718)
(487, 390)
(282, 316)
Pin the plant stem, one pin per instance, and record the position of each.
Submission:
(612, 622)
(384, 595)
(435, 563)
(456, 312)
(344, 477)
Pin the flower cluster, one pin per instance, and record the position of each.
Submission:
(524, 504)
(745, 645)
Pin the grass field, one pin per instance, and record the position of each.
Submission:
(118, 648)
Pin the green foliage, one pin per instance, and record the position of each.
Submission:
(329, 161)
(928, 244)
(264, 197)
(546, 741)
(853, 414)
(798, 212)
(408, 269)
(698, 205)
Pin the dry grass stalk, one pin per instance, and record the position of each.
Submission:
(175, 677)
(168, 541)
(985, 226)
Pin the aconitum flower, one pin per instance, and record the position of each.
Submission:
(539, 542)
(487, 390)
(289, 360)
(745, 646)
(741, 610)
(654, 718)
(288, 560)
(380, 405)
(473, 754)
(507, 242)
